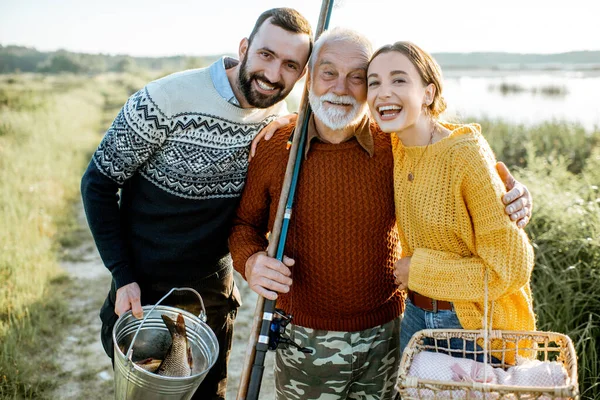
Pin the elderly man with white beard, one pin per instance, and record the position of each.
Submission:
(341, 242)
(337, 277)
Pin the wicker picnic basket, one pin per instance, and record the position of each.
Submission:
(536, 345)
(544, 346)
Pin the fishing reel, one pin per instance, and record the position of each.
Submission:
(277, 331)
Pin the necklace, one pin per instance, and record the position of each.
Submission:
(411, 176)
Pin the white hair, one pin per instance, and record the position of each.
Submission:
(340, 35)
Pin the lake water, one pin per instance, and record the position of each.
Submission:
(475, 94)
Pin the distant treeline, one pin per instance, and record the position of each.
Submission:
(26, 59)
(570, 60)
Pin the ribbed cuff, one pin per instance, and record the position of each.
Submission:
(240, 257)
(122, 276)
(418, 258)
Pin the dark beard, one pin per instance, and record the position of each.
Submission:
(254, 98)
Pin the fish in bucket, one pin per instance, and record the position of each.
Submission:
(167, 341)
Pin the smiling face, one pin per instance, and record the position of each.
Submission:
(396, 93)
(338, 88)
(272, 64)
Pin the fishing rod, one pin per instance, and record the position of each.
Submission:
(258, 343)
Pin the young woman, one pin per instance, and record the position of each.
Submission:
(448, 208)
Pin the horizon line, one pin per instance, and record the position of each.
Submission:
(113, 54)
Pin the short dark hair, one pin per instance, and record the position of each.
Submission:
(286, 18)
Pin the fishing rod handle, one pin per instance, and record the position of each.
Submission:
(258, 369)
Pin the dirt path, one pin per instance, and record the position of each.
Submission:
(86, 370)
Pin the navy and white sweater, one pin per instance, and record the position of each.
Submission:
(178, 151)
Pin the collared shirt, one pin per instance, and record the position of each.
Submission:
(362, 135)
(219, 78)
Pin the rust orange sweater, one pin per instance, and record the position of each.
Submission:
(342, 233)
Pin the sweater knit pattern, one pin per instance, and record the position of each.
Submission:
(452, 223)
(195, 155)
(162, 188)
(342, 233)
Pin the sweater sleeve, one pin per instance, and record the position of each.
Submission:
(251, 223)
(136, 133)
(500, 246)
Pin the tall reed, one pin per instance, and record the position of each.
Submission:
(563, 173)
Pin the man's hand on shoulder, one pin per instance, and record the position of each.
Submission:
(518, 200)
(268, 276)
(129, 298)
(268, 131)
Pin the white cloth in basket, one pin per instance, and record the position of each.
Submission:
(442, 367)
(533, 373)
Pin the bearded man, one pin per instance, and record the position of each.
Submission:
(337, 277)
(178, 153)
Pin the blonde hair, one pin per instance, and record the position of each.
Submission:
(429, 71)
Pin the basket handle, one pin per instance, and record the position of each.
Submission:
(202, 315)
(486, 329)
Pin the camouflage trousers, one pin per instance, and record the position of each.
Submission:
(343, 365)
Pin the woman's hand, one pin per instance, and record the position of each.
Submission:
(401, 268)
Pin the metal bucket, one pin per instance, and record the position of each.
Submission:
(151, 338)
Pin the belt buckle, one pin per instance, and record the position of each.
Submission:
(434, 306)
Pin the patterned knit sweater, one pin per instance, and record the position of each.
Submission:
(453, 225)
(342, 233)
(178, 151)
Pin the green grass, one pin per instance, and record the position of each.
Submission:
(49, 126)
(566, 280)
(550, 142)
(27, 347)
(562, 170)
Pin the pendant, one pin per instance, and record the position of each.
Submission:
(411, 177)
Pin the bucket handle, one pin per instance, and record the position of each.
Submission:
(202, 315)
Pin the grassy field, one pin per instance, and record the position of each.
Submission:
(560, 164)
(49, 125)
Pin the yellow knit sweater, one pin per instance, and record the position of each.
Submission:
(452, 223)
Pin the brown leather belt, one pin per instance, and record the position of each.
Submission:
(427, 303)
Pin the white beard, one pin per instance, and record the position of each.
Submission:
(333, 117)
